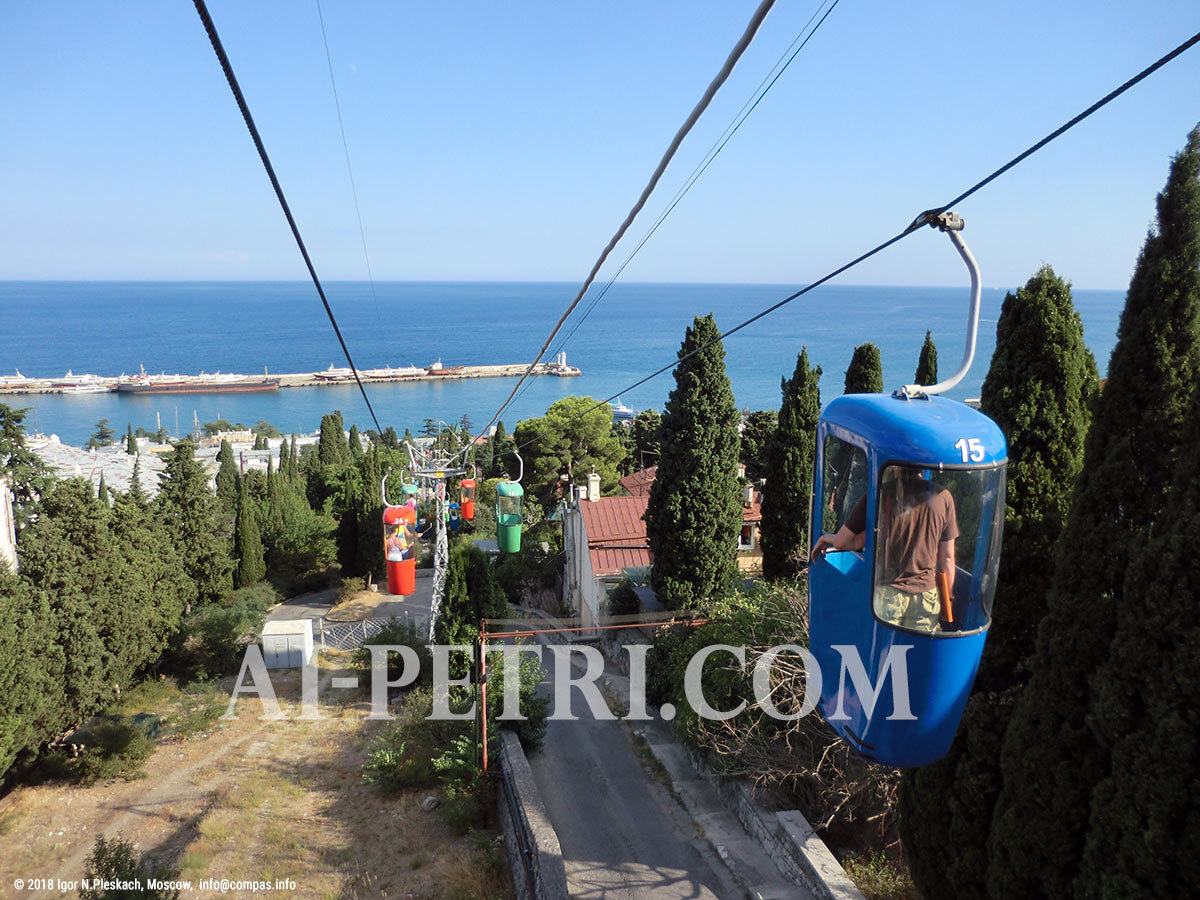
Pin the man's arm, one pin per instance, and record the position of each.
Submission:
(845, 539)
(945, 560)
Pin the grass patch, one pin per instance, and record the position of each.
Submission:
(880, 877)
(8, 820)
(185, 711)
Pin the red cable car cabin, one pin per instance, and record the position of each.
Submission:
(399, 549)
(466, 490)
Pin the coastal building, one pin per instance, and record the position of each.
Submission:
(112, 462)
(637, 485)
(604, 539)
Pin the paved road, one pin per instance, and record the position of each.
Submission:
(622, 834)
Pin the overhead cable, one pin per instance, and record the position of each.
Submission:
(743, 42)
(349, 169)
(926, 218)
(750, 105)
(209, 27)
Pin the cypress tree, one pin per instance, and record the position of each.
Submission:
(332, 449)
(1143, 830)
(927, 365)
(370, 560)
(789, 469)
(758, 430)
(188, 509)
(1041, 380)
(227, 478)
(347, 533)
(1057, 748)
(356, 450)
(504, 464)
(130, 441)
(247, 543)
(646, 432)
(694, 514)
(136, 493)
(293, 460)
(102, 490)
(274, 517)
(865, 372)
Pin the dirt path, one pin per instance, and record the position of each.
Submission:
(255, 800)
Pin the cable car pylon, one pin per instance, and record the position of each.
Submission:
(435, 467)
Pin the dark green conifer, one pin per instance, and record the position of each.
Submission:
(694, 514)
(356, 450)
(31, 679)
(188, 509)
(1038, 389)
(865, 372)
(504, 463)
(332, 449)
(103, 435)
(1057, 748)
(1143, 831)
(347, 533)
(758, 430)
(102, 491)
(293, 462)
(927, 364)
(227, 478)
(24, 470)
(646, 432)
(370, 560)
(247, 543)
(130, 441)
(789, 471)
(136, 493)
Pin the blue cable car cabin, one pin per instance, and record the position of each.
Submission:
(879, 460)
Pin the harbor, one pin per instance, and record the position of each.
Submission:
(217, 383)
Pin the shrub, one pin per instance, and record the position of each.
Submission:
(405, 634)
(402, 757)
(349, 587)
(118, 860)
(624, 601)
(111, 748)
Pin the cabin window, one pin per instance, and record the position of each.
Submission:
(844, 480)
(928, 521)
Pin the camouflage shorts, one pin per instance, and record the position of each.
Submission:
(920, 611)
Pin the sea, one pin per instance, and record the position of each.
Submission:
(109, 328)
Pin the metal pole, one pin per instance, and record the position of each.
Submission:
(952, 225)
(483, 696)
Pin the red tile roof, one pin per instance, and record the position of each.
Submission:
(616, 533)
(752, 512)
(638, 483)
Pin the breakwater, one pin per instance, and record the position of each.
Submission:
(225, 383)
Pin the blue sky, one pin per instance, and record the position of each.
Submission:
(506, 141)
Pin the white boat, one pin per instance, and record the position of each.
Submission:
(342, 373)
(14, 380)
(87, 389)
(393, 372)
(620, 411)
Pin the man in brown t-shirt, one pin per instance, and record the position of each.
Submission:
(918, 525)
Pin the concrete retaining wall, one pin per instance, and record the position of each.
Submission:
(534, 854)
(799, 854)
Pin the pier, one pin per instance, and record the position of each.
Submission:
(225, 383)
